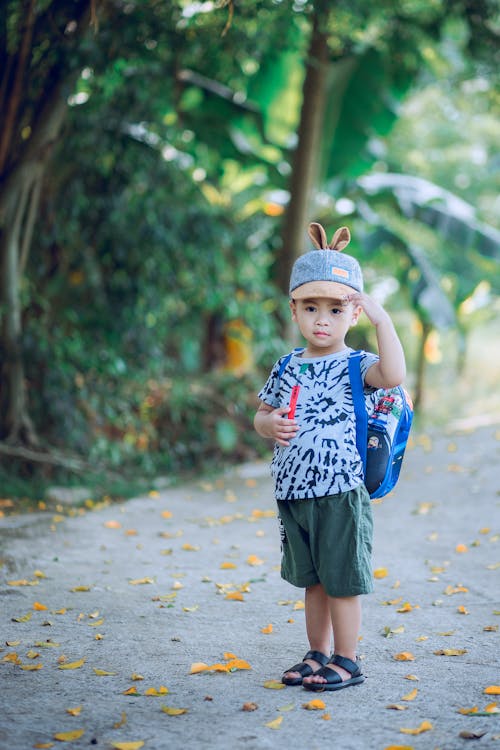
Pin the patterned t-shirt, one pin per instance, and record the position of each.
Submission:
(322, 459)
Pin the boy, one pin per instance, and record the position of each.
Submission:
(323, 505)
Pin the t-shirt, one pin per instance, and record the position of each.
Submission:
(322, 459)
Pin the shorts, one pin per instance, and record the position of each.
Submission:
(328, 540)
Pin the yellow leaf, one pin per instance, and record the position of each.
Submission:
(407, 607)
(72, 664)
(167, 514)
(25, 618)
(173, 711)
(103, 673)
(190, 547)
(298, 605)
(410, 696)
(112, 524)
(13, 657)
(130, 691)
(198, 666)
(267, 630)
(43, 745)
(404, 656)
(69, 736)
(326, 717)
(380, 573)
(122, 722)
(249, 706)
(273, 685)
(468, 711)
(227, 566)
(39, 607)
(492, 690)
(451, 652)
(275, 724)
(235, 596)
(61, 611)
(411, 677)
(74, 711)
(314, 705)
(31, 667)
(134, 676)
(138, 581)
(32, 654)
(425, 726)
(47, 644)
(397, 707)
(162, 690)
(254, 560)
(461, 548)
(22, 582)
(128, 745)
(80, 588)
(96, 623)
(462, 610)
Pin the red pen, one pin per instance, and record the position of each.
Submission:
(293, 401)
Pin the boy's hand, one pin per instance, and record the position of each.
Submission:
(373, 310)
(273, 423)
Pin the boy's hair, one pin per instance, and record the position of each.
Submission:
(326, 272)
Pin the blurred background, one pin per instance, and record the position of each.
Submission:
(159, 164)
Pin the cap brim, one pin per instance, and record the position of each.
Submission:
(328, 289)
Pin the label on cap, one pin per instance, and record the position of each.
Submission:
(340, 272)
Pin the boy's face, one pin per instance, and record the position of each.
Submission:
(324, 323)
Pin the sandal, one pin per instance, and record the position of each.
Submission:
(333, 679)
(305, 670)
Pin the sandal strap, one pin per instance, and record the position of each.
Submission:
(317, 656)
(350, 666)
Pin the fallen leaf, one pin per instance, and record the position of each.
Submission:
(127, 745)
(273, 685)
(198, 666)
(450, 652)
(411, 677)
(103, 672)
(32, 654)
(112, 524)
(130, 691)
(462, 610)
(425, 726)
(190, 548)
(397, 707)
(249, 706)
(173, 711)
(39, 607)
(80, 588)
(275, 724)
(134, 676)
(299, 605)
(468, 711)
(254, 560)
(122, 722)
(31, 667)
(69, 736)
(74, 711)
(465, 735)
(47, 644)
(72, 664)
(139, 581)
(235, 596)
(490, 629)
(410, 696)
(167, 514)
(326, 717)
(492, 690)
(267, 630)
(162, 690)
(314, 705)
(380, 573)
(404, 656)
(43, 745)
(227, 566)
(22, 582)
(407, 607)
(461, 548)
(25, 618)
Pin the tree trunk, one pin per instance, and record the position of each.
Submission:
(18, 209)
(305, 161)
(420, 373)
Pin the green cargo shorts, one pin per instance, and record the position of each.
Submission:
(328, 540)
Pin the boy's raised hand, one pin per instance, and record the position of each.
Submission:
(373, 310)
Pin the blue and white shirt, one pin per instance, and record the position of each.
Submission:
(322, 459)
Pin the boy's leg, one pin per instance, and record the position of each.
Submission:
(318, 624)
(345, 613)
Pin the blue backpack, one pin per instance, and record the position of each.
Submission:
(382, 435)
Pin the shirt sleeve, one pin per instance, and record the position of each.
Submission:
(271, 390)
(367, 360)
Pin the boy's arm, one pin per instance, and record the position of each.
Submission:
(272, 423)
(390, 370)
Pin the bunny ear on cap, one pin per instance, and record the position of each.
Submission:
(340, 239)
(318, 235)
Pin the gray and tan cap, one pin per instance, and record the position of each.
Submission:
(326, 272)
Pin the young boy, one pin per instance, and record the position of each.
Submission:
(323, 505)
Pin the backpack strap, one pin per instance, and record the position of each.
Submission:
(354, 365)
(287, 359)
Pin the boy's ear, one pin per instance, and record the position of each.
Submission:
(355, 315)
(293, 308)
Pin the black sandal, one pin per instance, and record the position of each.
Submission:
(333, 679)
(305, 670)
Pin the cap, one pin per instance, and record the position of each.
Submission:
(326, 272)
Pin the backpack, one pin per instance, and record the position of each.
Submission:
(382, 435)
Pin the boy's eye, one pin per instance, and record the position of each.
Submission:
(336, 310)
